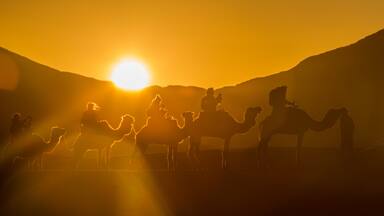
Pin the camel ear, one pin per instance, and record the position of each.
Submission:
(131, 118)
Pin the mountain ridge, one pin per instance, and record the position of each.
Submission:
(367, 38)
(348, 76)
(375, 35)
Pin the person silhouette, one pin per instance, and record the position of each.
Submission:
(157, 108)
(279, 103)
(90, 119)
(16, 127)
(15, 132)
(27, 125)
(277, 98)
(209, 102)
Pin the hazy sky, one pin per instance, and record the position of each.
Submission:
(196, 42)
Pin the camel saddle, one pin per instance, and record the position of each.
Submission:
(161, 124)
(216, 117)
(99, 128)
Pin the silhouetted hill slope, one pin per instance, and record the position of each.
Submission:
(350, 76)
(54, 97)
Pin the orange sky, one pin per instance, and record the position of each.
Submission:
(198, 42)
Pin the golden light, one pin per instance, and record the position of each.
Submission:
(130, 74)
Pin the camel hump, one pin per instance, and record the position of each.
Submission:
(295, 110)
(295, 114)
(98, 129)
(215, 117)
(162, 124)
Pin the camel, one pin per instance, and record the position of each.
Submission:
(32, 147)
(219, 124)
(297, 122)
(101, 139)
(162, 131)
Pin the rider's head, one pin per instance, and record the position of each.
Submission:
(277, 96)
(210, 91)
(16, 117)
(91, 106)
(157, 99)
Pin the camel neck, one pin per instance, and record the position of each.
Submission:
(246, 125)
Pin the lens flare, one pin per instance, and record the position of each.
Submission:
(130, 75)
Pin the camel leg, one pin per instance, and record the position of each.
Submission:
(169, 157)
(174, 156)
(224, 156)
(36, 164)
(78, 155)
(262, 152)
(99, 159)
(142, 147)
(40, 161)
(29, 163)
(137, 147)
(194, 152)
(298, 149)
(107, 157)
(190, 150)
(197, 153)
(14, 161)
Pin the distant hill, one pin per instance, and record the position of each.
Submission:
(350, 76)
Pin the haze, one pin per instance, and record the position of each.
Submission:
(200, 42)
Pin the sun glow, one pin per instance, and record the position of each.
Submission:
(130, 74)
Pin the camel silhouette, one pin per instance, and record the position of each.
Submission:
(297, 122)
(33, 146)
(101, 139)
(164, 132)
(217, 124)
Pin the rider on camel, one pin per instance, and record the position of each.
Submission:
(16, 128)
(156, 112)
(27, 124)
(278, 101)
(277, 98)
(90, 119)
(209, 102)
(157, 109)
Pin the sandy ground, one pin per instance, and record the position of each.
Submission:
(321, 186)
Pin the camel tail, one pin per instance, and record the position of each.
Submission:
(328, 121)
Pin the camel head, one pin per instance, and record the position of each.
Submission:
(251, 114)
(188, 117)
(57, 133)
(126, 122)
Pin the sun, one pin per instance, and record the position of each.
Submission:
(130, 74)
